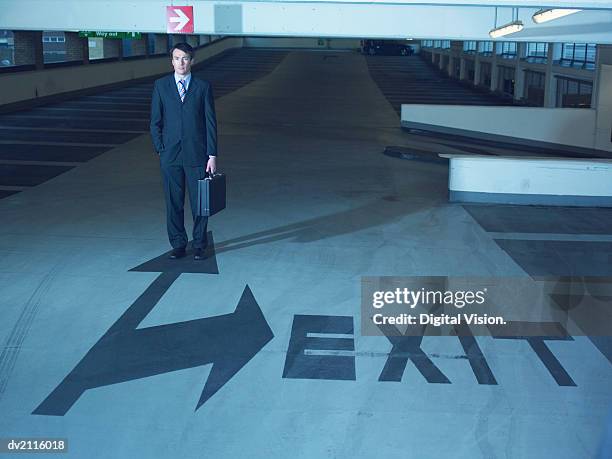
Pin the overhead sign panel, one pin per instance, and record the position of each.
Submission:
(179, 19)
(116, 35)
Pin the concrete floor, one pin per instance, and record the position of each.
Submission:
(110, 347)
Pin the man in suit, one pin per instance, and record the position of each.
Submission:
(184, 134)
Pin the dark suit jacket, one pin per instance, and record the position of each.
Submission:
(183, 133)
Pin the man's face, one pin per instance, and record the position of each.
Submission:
(181, 61)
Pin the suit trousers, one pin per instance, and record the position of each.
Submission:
(174, 179)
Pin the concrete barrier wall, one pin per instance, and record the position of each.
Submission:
(515, 180)
(321, 43)
(603, 129)
(558, 176)
(22, 86)
(565, 126)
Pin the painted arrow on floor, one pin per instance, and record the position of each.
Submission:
(126, 353)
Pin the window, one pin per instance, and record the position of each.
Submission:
(506, 49)
(485, 74)
(537, 52)
(580, 55)
(534, 88)
(7, 48)
(437, 43)
(427, 43)
(445, 44)
(96, 48)
(573, 93)
(54, 47)
(505, 81)
(48, 39)
(485, 47)
(469, 46)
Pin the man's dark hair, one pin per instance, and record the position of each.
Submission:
(185, 47)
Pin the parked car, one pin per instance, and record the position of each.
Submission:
(387, 47)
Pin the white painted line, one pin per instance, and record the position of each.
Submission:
(553, 237)
(322, 352)
(330, 335)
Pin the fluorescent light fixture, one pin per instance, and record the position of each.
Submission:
(549, 15)
(511, 27)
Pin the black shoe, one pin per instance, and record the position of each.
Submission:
(177, 253)
(198, 254)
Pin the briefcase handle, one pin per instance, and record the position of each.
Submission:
(209, 176)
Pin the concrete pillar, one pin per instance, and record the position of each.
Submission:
(494, 69)
(456, 50)
(601, 98)
(550, 85)
(476, 68)
(462, 69)
(112, 48)
(85, 44)
(519, 74)
(28, 48)
(75, 49)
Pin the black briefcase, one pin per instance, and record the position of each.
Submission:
(211, 195)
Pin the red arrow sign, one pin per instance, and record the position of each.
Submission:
(179, 19)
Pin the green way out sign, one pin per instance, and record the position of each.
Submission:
(117, 35)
